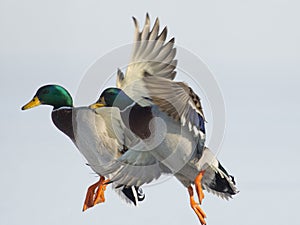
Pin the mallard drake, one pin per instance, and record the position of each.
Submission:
(153, 105)
(93, 135)
(180, 148)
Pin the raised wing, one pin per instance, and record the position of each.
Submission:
(176, 99)
(151, 53)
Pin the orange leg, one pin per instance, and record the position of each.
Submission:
(95, 193)
(198, 186)
(196, 207)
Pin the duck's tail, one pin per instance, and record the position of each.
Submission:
(130, 194)
(217, 180)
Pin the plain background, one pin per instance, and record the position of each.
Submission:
(251, 46)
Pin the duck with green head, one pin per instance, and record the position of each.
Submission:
(148, 81)
(181, 150)
(78, 123)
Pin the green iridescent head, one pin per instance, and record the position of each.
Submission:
(113, 97)
(53, 95)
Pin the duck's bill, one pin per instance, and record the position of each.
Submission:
(33, 103)
(96, 105)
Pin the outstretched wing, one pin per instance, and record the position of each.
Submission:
(151, 53)
(176, 99)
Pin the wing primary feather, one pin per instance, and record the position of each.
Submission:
(151, 53)
(146, 29)
(163, 35)
(155, 30)
(137, 29)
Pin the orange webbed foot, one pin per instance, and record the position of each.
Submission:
(95, 193)
(198, 186)
(196, 207)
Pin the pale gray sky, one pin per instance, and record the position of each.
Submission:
(253, 49)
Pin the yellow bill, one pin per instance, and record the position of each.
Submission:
(96, 105)
(33, 103)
